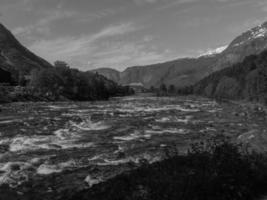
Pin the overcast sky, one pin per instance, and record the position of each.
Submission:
(121, 33)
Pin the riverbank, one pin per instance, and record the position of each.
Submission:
(9, 94)
(221, 171)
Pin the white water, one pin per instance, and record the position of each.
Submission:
(58, 137)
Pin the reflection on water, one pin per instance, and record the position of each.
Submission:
(39, 139)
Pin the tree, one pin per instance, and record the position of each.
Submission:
(171, 89)
(5, 76)
(152, 89)
(47, 81)
(163, 88)
(22, 81)
(63, 81)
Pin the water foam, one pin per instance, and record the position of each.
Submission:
(166, 131)
(65, 138)
(89, 125)
(46, 169)
(134, 136)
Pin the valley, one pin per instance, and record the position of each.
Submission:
(112, 126)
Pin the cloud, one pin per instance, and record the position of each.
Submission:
(262, 5)
(141, 2)
(125, 54)
(114, 31)
(42, 25)
(246, 25)
(68, 48)
(102, 49)
(174, 3)
(43, 18)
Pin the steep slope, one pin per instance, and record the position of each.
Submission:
(246, 80)
(15, 57)
(188, 71)
(251, 42)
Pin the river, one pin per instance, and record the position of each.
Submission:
(74, 145)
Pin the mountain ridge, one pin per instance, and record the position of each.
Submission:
(14, 57)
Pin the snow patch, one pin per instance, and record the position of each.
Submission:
(215, 51)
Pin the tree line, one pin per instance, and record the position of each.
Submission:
(63, 82)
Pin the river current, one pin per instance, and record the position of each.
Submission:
(89, 142)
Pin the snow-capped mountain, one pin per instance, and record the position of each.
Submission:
(251, 42)
(255, 33)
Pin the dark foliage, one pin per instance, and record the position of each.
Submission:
(216, 170)
(185, 90)
(4, 94)
(64, 82)
(5, 77)
(164, 90)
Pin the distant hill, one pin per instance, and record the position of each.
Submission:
(109, 73)
(179, 72)
(14, 57)
(187, 71)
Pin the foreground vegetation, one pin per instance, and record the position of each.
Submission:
(213, 170)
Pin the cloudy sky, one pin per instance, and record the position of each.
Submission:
(121, 33)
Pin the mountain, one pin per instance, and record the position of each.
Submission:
(15, 57)
(188, 71)
(251, 42)
(245, 80)
(179, 72)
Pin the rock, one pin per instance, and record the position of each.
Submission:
(92, 181)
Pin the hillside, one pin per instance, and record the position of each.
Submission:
(245, 80)
(251, 42)
(187, 71)
(14, 57)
